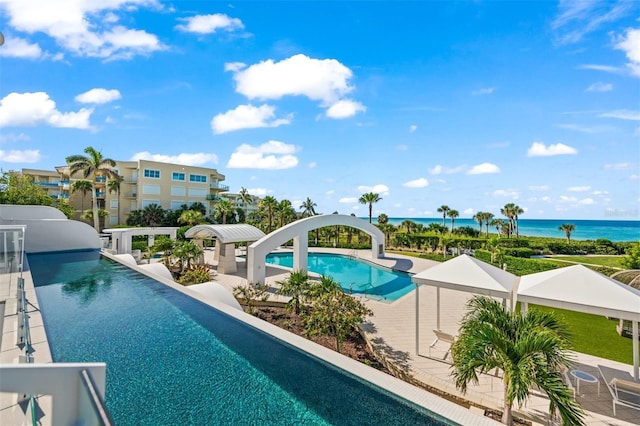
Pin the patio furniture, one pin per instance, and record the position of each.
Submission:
(567, 381)
(623, 392)
(444, 337)
(583, 376)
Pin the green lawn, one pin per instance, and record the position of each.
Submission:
(595, 335)
(611, 261)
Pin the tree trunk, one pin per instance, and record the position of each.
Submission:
(507, 417)
(94, 197)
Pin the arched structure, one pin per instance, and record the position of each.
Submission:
(299, 232)
(226, 236)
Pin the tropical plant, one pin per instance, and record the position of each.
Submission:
(84, 186)
(285, 212)
(336, 314)
(383, 219)
(479, 217)
(498, 224)
(246, 199)
(88, 215)
(325, 285)
(488, 218)
(452, 213)
(63, 205)
(223, 208)
(190, 217)
(198, 207)
(186, 252)
(567, 228)
(16, 188)
(134, 218)
(196, 275)
(152, 215)
(269, 203)
(113, 185)
(444, 209)
(408, 224)
(369, 198)
(250, 293)
(92, 166)
(632, 258)
(296, 287)
(308, 208)
(530, 349)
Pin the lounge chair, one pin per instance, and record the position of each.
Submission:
(623, 392)
(444, 337)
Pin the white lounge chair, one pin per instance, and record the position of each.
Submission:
(623, 392)
(444, 337)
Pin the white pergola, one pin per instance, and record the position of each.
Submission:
(578, 288)
(464, 273)
(121, 237)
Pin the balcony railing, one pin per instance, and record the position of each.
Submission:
(131, 195)
(47, 184)
(212, 197)
(101, 179)
(216, 185)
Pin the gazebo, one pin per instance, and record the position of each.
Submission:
(226, 236)
(578, 288)
(464, 273)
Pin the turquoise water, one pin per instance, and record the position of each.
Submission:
(354, 276)
(613, 230)
(172, 360)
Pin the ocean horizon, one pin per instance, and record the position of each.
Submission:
(586, 229)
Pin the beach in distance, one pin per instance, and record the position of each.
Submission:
(612, 230)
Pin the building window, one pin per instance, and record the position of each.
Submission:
(151, 189)
(146, 203)
(177, 205)
(198, 192)
(113, 204)
(179, 191)
(177, 176)
(149, 173)
(113, 220)
(198, 178)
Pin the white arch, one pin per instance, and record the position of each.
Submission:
(299, 232)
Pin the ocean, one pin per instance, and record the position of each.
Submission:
(612, 230)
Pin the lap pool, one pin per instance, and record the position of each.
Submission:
(355, 276)
(172, 360)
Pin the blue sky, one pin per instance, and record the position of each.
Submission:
(468, 104)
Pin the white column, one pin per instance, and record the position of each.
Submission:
(417, 319)
(636, 358)
(300, 251)
(438, 308)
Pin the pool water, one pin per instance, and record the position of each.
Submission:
(355, 276)
(172, 360)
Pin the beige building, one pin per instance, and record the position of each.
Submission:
(143, 183)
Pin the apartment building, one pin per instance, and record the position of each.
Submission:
(248, 208)
(143, 182)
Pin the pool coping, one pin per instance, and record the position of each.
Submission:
(420, 397)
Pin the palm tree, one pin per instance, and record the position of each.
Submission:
(223, 208)
(444, 210)
(567, 228)
(498, 224)
(84, 186)
(285, 211)
(296, 286)
(190, 217)
(452, 215)
(269, 203)
(92, 166)
(246, 199)
(113, 185)
(153, 215)
(308, 208)
(530, 349)
(370, 198)
(517, 211)
(488, 218)
(409, 224)
(479, 217)
(383, 219)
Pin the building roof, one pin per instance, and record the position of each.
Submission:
(226, 233)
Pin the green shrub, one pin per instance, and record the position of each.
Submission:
(140, 245)
(484, 255)
(518, 252)
(198, 274)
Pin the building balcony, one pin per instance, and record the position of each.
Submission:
(100, 194)
(131, 195)
(101, 179)
(47, 184)
(215, 185)
(213, 197)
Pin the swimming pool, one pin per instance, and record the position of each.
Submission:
(174, 360)
(354, 276)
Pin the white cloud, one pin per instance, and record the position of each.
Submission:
(600, 193)
(538, 149)
(539, 188)
(247, 117)
(234, 66)
(483, 169)
(438, 169)
(272, 155)
(575, 19)
(324, 80)
(348, 200)
(377, 189)
(86, 28)
(508, 193)
(16, 47)
(630, 44)
(605, 68)
(584, 129)
(619, 166)
(579, 188)
(483, 91)
(345, 108)
(17, 156)
(600, 87)
(208, 24)
(330, 192)
(622, 114)
(259, 192)
(31, 109)
(468, 211)
(412, 128)
(186, 159)
(98, 96)
(586, 201)
(12, 137)
(417, 183)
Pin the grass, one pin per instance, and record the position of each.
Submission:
(595, 335)
(610, 261)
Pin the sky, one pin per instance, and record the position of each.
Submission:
(470, 104)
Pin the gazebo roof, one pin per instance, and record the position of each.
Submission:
(579, 288)
(466, 273)
(233, 233)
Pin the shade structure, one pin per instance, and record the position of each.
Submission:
(232, 233)
(463, 273)
(578, 288)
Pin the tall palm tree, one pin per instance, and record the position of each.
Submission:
(308, 208)
(285, 211)
(113, 185)
(530, 349)
(269, 203)
(444, 209)
(509, 212)
(409, 224)
(498, 224)
(92, 166)
(296, 287)
(517, 211)
(223, 208)
(488, 218)
(370, 198)
(246, 199)
(84, 186)
(452, 213)
(479, 217)
(567, 228)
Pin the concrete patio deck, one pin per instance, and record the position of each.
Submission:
(391, 332)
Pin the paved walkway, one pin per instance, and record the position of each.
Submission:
(392, 332)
